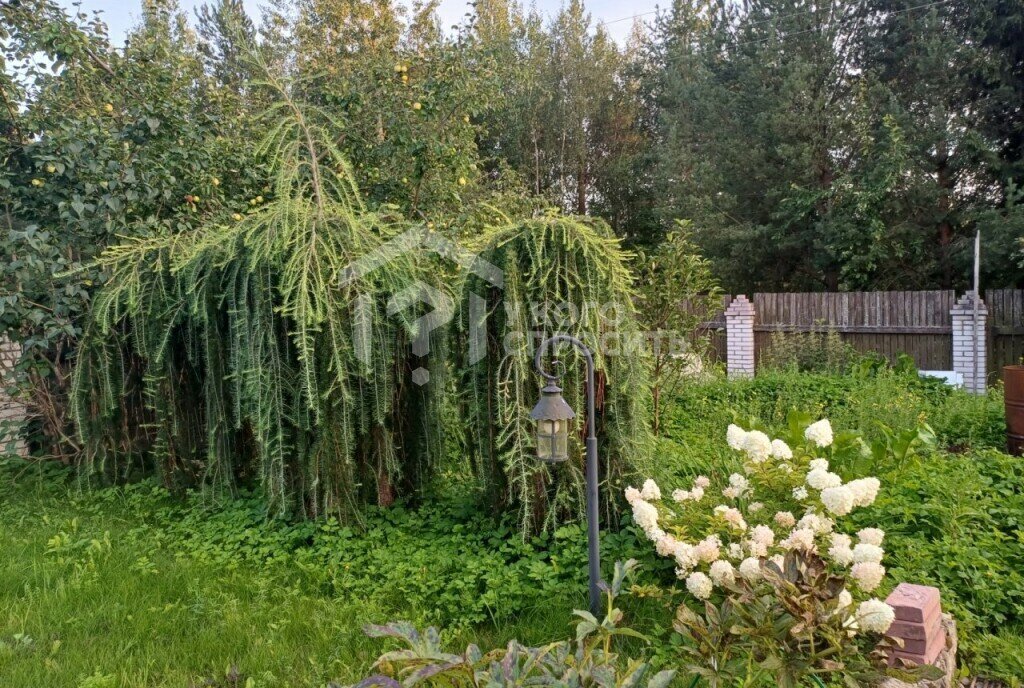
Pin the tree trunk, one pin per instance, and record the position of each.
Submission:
(581, 189)
(945, 228)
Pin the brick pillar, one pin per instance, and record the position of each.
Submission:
(739, 338)
(12, 411)
(964, 336)
(926, 635)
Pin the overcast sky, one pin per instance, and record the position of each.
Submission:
(120, 15)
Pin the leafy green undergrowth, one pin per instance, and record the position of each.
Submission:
(131, 587)
(954, 517)
(897, 399)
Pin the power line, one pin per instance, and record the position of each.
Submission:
(622, 19)
(797, 33)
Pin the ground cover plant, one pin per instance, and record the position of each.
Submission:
(134, 584)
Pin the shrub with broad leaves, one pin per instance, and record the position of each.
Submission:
(586, 661)
(768, 545)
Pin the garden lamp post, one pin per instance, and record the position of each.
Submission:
(553, 414)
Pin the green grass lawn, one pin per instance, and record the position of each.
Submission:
(89, 599)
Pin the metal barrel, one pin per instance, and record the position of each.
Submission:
(1013, 378)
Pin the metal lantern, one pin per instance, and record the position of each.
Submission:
(552, 414)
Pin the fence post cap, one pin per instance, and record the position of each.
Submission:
(965, 305)
(740, 306)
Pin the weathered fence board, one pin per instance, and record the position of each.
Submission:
(1006, 328)
(917, 323)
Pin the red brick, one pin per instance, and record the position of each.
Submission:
(912, 630)
(926, 658)
(914, 603)
(926, 646)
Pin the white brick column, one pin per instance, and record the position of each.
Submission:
(964, 337)
(739, 338)
(12, 411)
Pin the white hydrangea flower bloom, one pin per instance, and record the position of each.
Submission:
(750, 569)
(632, 495)
(842, 540)
(871, 536)
(757, 549)
(799, 538)
(818, 464)
(739, 483)
(800, 493)
(645, 515)
(868, 575)
(735, 551)
(702, 481)
(778, 560)
(758, 446)
(722, 573)
(865, 490)
(735, 436)
(650, 490)
(819, 479)
(665, 546)
(820, 433)
(763, 535)
(865, 552)
(838, 500)
(699, 585)
(685, 555)
(680, 495)
(730, 493)
(816, 522)
(786, 519)
(781, 450)
(732, 516)
(697, 493)
(875, 616)
(709, 549)
(842, 555)
(754, 507)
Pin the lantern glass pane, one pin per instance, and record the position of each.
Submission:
(543, 442)
(561, 441)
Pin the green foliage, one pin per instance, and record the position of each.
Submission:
(561, 275)
(201, 575)
(951, 515)
(677, 295)
(955, 520)
(820, 352)
(828, 149)
(196, 588)
(102, 145)
(585, 661)
(254, 355)
(798, 631)
(411, 96)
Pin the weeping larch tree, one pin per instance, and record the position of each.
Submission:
(252, 361)
(244, 354)
(560, 275)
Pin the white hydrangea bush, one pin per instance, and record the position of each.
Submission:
(787, 497)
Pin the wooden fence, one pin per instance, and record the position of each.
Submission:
(917, 323)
